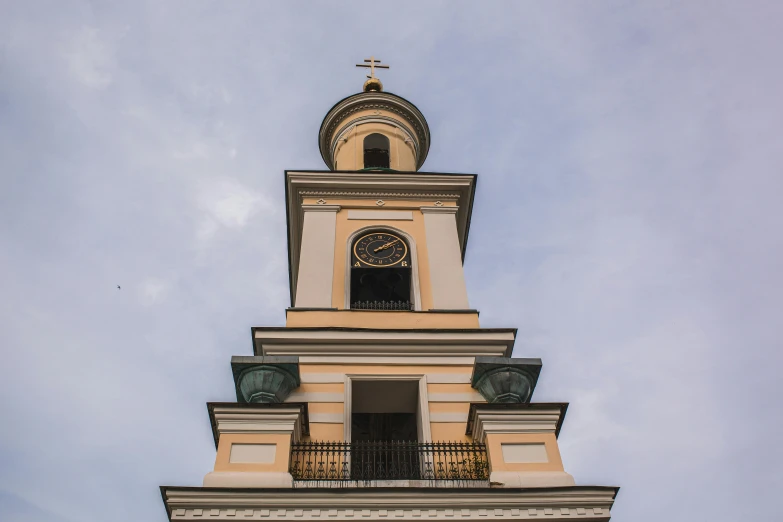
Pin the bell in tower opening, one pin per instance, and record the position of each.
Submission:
(376, 151)
(381, 273)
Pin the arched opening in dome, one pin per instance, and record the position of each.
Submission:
(376, 151)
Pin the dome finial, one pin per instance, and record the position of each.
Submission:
(373, 84)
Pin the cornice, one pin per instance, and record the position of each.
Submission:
(359, 342)
(351, 194)
(232, 417)
(353, 180)
(486, 418)
(563, 503)
(439, 210)
(321, 208)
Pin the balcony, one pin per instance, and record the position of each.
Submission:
(382, 305)
(374, 464)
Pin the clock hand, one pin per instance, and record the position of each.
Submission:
(387, 245)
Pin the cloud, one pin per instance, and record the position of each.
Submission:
(154, 290)
(90, 59)
(227, 204)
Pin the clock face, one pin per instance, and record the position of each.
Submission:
(380, 249)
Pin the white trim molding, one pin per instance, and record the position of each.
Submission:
(383, 343)
(439, 210)
(321, 208)
(370, 194)
(527, 418)
(587, 503)
(255, 418)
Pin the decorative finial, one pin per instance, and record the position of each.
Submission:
(373, 83)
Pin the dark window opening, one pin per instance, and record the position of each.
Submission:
(384, 411)
(376, 151)
(381, 288)
(383, 427)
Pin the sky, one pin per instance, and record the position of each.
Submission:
(627, 222)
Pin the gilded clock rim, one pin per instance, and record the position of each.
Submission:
(400, 239)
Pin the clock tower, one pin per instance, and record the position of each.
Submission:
(382, 397)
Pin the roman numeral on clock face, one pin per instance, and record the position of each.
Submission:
(380, 249)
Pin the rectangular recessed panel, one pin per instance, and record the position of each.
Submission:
(252, 453)
(531, 453)
(392, 215)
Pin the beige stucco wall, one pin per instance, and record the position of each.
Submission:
(451, 398)
(325, 432)
(320, 387)
(282, 451)
(345, 227)
(349, 153)
(449, 431)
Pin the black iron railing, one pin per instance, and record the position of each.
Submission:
(382, 305)
(340, 462)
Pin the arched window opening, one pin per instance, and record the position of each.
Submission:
(380, 272)
(376, 151)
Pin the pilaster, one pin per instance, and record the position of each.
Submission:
(446, 274)
(316, 259)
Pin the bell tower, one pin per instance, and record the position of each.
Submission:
(382, 384)
(375, 234)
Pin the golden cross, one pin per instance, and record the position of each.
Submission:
(372, 64)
